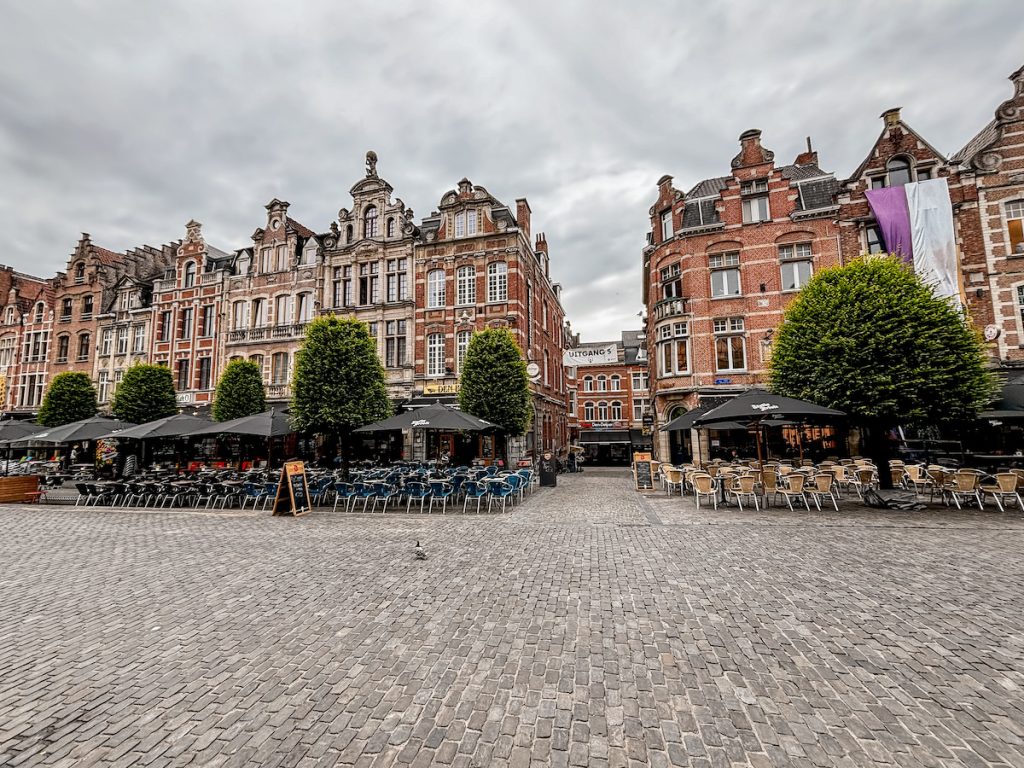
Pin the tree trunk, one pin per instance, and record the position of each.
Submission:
(878, 449)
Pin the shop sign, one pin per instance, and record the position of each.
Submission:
(441, 388)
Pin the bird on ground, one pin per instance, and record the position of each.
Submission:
(421, 554)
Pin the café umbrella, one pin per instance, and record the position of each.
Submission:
(757, 407)
(170, 426)
(79, 431)
(12, 429)
(437, 416)
(268, 425)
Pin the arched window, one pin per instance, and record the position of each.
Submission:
(84, 342)
(190, 275)
(79, 272)
(258, 360)
(602, 411)
(614, 385)
(602, 383)
(370, 221)
(390, 229)
(873, 239)
(497, 281)
(40, 308)
(899, 171)
(588, 383)
(348, 233)
(304, 307)
(435, 289)
(588, 411)
(279, 368)
(616, 411)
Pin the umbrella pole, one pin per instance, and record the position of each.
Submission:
(800, 441)
(757, 442)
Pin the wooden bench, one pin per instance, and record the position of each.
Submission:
(22, 488)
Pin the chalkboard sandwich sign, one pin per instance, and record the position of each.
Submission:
(642, 477)
(292, 491)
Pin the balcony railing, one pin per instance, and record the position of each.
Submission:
(262, 333)
(671, 308)
(164, 285)
(278, 391)
(209, 278)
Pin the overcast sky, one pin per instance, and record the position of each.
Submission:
(126, 118)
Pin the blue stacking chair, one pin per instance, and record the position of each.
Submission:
(364, 491)
(443, 490)
(414, 489)
(384, 491)
(517, 482)
(250, 492)
(498, 489)
(344, 491)
(473, 489)
(528, 476)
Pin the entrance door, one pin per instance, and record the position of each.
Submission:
(679, 449)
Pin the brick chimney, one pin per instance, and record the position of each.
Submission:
(542, 247)
(810, 157)
(523, 215)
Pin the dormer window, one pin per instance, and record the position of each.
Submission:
(390, 229)
(370, 221)
(465, 223)
(79, 273)
(190, 275)
(755, 187)
(755, 201)
(40, 308)
(666, 226)
(898, 171)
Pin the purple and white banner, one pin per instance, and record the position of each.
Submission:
(916, 222)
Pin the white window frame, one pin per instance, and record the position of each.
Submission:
(726, 283)
(666, 225)
(465, 279)
(462, 339)
(756, 209)
(435, 355)
(726, 329)
(436, 289)
(497, 282)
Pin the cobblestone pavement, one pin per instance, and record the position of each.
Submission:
(587, 627)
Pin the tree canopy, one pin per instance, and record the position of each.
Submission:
(339, 383)
(239, 391)
(146, 393)
(70, 397)
(871, 339)
(494, 384)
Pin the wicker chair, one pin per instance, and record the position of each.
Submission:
(743, 487)
(1004, 489)
(704, 485)
(794, 489)
(823, 488)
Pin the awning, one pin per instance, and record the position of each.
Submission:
(685, 421)
(1009, 406)
(604, 437)
(639, 439)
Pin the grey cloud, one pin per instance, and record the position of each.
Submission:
(126, 119)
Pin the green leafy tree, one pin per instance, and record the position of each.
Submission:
(239, 391)
(874, 341)
(70, 397)
(339, 383)
(494, 384)
(146, 393)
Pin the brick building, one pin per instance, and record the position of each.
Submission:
(185, 323)
(899, 156)
(612, 399)
(271, 297)
(722, 263)
(478, 268)
(368, 273)
(996, 158)
(22, 296)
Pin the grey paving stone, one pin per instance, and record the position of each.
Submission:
(585, 627)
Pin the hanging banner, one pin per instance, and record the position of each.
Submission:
(931, 226)
(601, 354)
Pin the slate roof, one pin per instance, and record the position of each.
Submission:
(818, 193)
(985, 136)
(817, 190)
(709, 187)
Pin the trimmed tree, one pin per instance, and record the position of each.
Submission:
(239, 391)
(70, 397)
(493, 384)
(874, 341)
(339, 383)
(146, 393)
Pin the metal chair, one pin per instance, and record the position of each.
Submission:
(794, 489)
(823, 488)
(1005, 489)
(415, 489)
(963, 486)
(474, 489)
(498, 489)
(744, 487)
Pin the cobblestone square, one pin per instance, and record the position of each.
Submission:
(588, 626)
